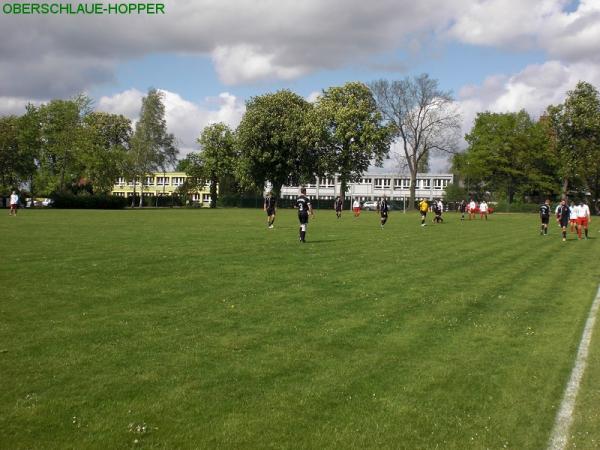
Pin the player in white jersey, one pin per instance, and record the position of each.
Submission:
(483, 210)
(573, 219)
(472, 209)
(583, 218)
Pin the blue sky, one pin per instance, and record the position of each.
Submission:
(209, 57)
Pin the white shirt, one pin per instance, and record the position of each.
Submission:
(574, 211)
(356, 204)
(14, 199)
(583, 211)
(472, 205)
(440, 205)
(483, 207)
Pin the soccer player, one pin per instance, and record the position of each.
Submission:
(545, 217)
(356, 207)
(573, 217)
(383, 208)
(583, 218)
(472, 209)
(338, 205)
(438, 208)
(14, 203)
(423, 208)
(304, 209)
(270, 206)
(483, 210)
(462, 207)
(563, 218)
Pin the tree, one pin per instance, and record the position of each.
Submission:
(216, 160)
(508, 154)
(350, 132)
(10, 159)
(61, 144)
(273, 142)
(424, 119)
(574, 132)
(152, 147)
(108, 137)
(30, 144)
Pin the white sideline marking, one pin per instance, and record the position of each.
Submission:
(564, 418)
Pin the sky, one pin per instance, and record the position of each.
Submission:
(210, 56)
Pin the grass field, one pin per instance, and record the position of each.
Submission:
(203, 329)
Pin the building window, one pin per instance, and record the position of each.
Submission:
(366, 181)
(177, 181)
(121, 181)
(162, 181)
(206, 198)
(405, 183)
(423, 183)
(440, 184)
(382, 183)
(149, 181)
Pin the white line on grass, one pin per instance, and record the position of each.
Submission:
(558, 440)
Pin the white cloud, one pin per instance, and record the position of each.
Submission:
(127, 103)
(14, 105)
(185, 119)
(245, 63)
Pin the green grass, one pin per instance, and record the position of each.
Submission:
(203, 329)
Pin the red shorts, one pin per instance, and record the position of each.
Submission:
(573, 220)
(13, 206)
(583, 221)
(356, 210)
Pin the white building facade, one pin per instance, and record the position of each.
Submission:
(373, 187)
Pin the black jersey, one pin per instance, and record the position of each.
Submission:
(338, 204)
(545, 210)
(564, 212)
(303, 204)
(270, 202)
(383, 206)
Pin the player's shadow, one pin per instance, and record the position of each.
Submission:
(321, 241)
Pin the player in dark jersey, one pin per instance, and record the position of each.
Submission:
(383, 207)
(270, 207)
(545, 217)
(304, 209)
(462, 207)
(338, 206)
(563, 214)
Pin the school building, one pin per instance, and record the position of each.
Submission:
(373, 187)
(160, 184)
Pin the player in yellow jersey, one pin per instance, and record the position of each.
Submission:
(423, 208)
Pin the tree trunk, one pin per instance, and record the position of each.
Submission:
(565, 188)
(133, 196)
(343, 187)
(413, 189)
(213, 192)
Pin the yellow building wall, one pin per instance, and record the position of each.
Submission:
(159, 184)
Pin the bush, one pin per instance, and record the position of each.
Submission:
(72, 201)
(504, 206)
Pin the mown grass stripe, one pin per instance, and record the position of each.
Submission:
(564, 418)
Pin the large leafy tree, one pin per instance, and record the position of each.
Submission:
(152, 147)
(424, 119)
(108, 137)
(273, 141)
(508, 154)
(215, 162)
(574, 130)
(62, 141)
(10, 159)
(350, 132)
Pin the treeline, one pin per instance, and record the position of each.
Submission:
(514, 158)
(64, 147)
